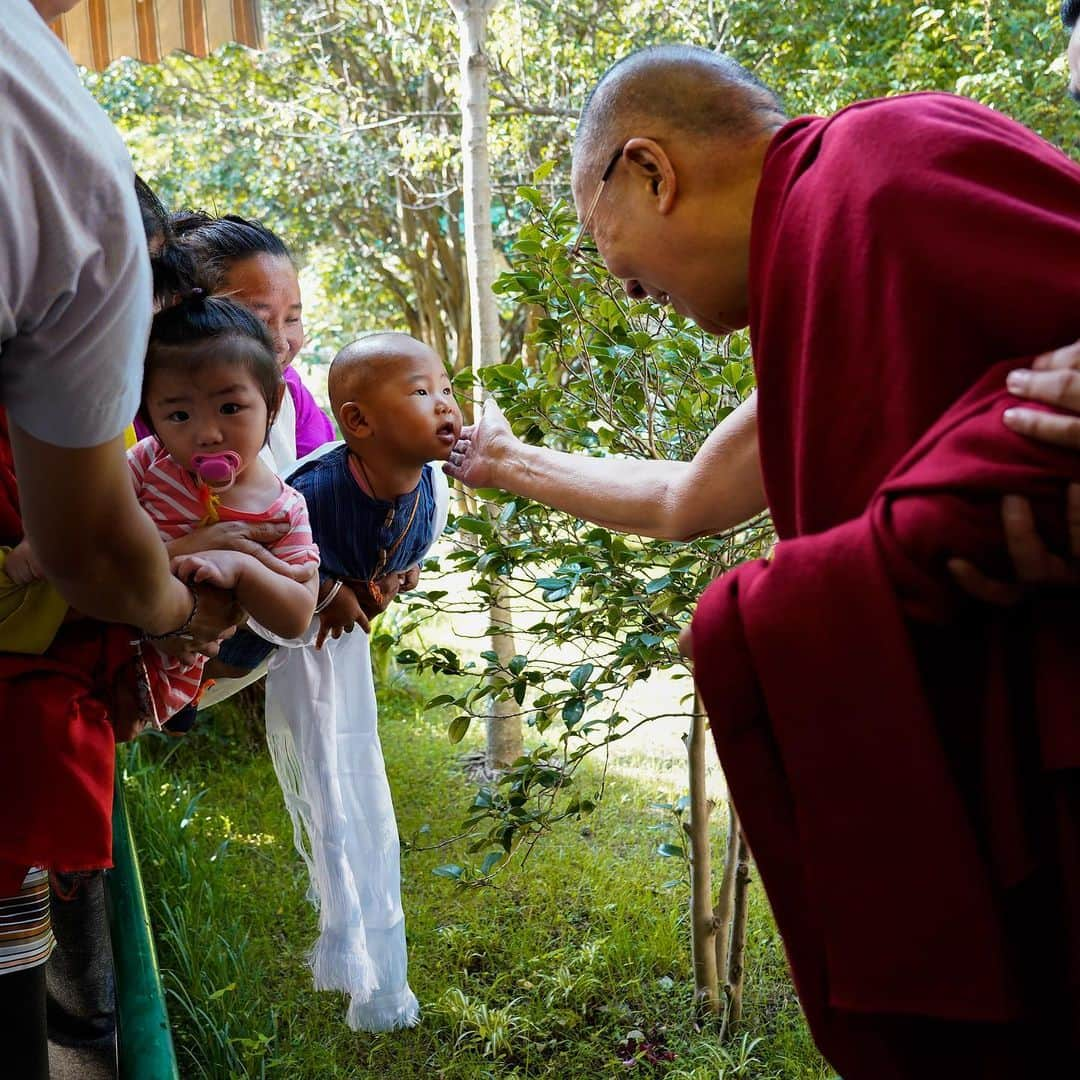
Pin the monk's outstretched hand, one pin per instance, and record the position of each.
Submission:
(481, 449)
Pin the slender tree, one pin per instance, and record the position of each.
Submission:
(504, 737)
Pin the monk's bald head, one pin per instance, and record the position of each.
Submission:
(366, 362)
(672, 89)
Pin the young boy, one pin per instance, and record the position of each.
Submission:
(375, 506)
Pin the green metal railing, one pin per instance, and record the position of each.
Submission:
(145, 1041)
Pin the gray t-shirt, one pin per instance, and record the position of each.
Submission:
(75, 294)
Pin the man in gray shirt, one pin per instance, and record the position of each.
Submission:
(75, 309)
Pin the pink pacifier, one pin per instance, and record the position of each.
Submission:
(217, 470)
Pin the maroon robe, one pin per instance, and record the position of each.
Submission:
(903, 760)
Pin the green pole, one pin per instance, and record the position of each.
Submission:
(145, 1041)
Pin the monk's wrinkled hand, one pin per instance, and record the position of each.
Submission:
(341, 616)
(409, 579)
(1035, 564)
(1054, 379)
(686, 643)
(481, 448)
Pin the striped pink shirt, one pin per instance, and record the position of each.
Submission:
(177, 504)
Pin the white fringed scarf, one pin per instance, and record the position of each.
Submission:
(321, 727)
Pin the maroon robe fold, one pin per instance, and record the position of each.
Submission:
(904, 761)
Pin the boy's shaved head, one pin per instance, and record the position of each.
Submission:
(364, 362)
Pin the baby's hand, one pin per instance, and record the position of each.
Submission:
(223, 569)
(341, 615)
(21, 566)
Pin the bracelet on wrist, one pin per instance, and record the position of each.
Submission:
(326, 601)
(186, 624)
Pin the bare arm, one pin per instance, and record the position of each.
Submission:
(284, 606)
(93, 540)
(671, 500)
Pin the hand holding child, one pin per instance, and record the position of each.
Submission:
(247, 538)
(21, 566)
(222, 569)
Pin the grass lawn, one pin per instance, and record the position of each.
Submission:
(544, 975)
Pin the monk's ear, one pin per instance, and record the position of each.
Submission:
(354, 420)
(651, 166)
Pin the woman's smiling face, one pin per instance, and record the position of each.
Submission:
(269, 286)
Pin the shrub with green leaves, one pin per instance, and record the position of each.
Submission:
(594, 611)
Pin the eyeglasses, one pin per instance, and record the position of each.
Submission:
(587, 219)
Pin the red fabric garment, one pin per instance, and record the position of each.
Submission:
(904, 763)
(56, 769)
(898, 250)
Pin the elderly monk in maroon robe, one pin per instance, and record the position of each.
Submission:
(905, 761)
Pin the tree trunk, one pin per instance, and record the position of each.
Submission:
(736, 970)
(504, 742)
(504, 737)
(703, 930)
(725, 900)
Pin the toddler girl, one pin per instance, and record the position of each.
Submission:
(211, 389)
(248, 263)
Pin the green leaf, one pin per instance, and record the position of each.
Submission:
(553, 596)
(572, 711)
(580, 676)
(458, 727)
(543, 171)
(491, 860)
(657, 584)
(222, 992)
(475, 526)
(517, 664)
(532, 196)
(449, 870)
(671, 851)
(442, 699)
(550, 583)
